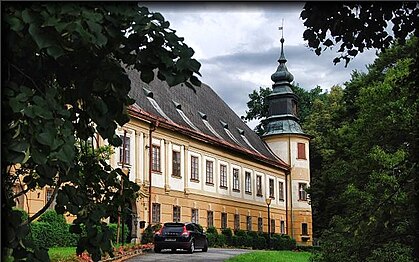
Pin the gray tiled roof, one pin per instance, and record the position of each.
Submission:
(204, 100)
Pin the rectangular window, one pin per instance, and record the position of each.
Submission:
(223, 176)
(271, 188)
(209, 172)
(48, 196)
(155, 161)
(195, 216)
(121, 152)
(302, 194)
(304, 229)
(301, 148)
(249, 223)
(272, 225)
(176, 163)
(210, 219)
(176, 213)
(281, 191)
(236, 182)
(260, 224)
(223, 220)
(259, 185)
(194, 168)
(155, 213)
(236, 221)
(282, 227)
(248, 182)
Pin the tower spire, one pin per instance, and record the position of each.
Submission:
(282, 115)
(282, 74)
(282, 56)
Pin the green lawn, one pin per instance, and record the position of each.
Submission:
(62, 254)
(277, 256)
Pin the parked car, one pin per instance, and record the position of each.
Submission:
(188, 236)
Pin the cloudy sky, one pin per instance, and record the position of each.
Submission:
(238, 45)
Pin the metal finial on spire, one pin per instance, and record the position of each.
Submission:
(282, 56)
(282, 73)
(281, 28)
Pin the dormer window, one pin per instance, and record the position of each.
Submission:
(225, 126)
(207, 124)
(184, 117)
(153, 102)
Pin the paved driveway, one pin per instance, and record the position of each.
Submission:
(213, 254)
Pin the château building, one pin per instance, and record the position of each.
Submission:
(196, 160)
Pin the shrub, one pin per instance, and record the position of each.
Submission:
(239, 232)
(148, 234)
(259, 242)
(252, 234)
(24, 214)
(283, 242)
(212, 239)
(114, 229)
(221, 240)
(227, 232)
(212, 230)
(51, 217)
(391, 252)
(234, 241)
(51, 230)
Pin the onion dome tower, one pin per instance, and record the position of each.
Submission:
(286, 139)
(282, 103)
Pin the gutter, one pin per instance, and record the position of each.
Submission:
(143, 115)
(153, 126)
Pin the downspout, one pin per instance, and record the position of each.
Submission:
(289, 161)
(153, 127)
(286, 201)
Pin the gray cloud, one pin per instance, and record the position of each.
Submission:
(239, 55)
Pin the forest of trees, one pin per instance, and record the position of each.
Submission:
(362, 163)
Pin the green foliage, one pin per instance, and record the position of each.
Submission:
(259, 242)
(49, 235)
(228, 233)
(283, 242)
(148, 235)
(53, 218)
(62, 254)
(212, 230)
(278, 256)
(258, 107)
(391, 252)
(247, 239)
(113, 227)
(356, 26)
(24, 214)
(65, 81)
(364, 180)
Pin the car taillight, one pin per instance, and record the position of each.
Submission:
(185, 233)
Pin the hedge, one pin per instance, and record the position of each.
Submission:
(250, 239)
(113, 227)
(52, 230)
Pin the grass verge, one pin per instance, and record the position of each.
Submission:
(62, 254)
(277, 256)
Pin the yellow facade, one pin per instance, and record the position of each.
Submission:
(188, 194)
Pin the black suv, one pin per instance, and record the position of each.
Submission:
(187, 236)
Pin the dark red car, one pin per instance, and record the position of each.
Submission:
(188, 236)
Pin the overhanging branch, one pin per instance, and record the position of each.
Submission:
(46, 206)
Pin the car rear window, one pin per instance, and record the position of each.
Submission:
(173, 228)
